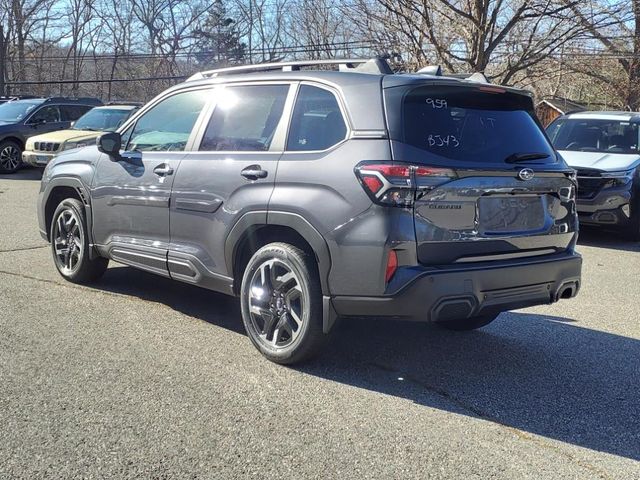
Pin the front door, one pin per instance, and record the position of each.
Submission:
(231, 171)
(131, 194)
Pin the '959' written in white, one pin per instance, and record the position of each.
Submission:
(437, 103)
(443, 141)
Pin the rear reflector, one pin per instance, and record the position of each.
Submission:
(373, 184)
(392, 265)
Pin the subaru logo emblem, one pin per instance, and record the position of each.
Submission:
(526, 174)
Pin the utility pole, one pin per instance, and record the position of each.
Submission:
(250, 31)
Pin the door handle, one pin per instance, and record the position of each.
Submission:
(163, 170)
(254, 172)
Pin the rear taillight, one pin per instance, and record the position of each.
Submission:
(396, 184)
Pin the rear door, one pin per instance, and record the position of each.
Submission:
(230, 171)
(504, 194)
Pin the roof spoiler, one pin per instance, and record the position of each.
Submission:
(436, 71)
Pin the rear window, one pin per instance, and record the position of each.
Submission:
(470, 125)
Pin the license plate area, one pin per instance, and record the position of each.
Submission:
(512, 214)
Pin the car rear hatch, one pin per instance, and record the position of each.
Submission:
(488, 184)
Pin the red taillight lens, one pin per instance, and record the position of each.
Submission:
(392, 265)
(396, 184)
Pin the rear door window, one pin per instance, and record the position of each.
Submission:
(471, 125)
(71, 113)
(317, 122)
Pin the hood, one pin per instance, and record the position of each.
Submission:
(62, 136)
(608, 162)
(85, 155)
(3, 124)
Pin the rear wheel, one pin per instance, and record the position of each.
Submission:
(70, 244)
(465, 324)
(10, 156)
(282, 304)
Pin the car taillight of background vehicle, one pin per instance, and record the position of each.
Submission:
(395, 185)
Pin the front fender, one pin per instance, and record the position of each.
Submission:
(48, 194)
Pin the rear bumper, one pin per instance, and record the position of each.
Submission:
(439, 295)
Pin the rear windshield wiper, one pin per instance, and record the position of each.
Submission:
(525, 157)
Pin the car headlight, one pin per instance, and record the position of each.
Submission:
(620, 177)
(71, 145)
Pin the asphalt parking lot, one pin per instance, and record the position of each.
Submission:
(139, 377)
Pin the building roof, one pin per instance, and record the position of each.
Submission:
(562, 105)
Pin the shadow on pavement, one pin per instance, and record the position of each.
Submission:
(25, 173)
(612, 239)
(540, 374)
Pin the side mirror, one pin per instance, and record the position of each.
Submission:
(110, 143)
(72, 124)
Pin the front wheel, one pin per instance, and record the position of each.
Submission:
(633, 230)
(465, 324)
(282, 303)
(10, 156)
(70, 244)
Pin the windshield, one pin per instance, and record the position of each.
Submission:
(593, 135)
(103, 119)
(16, 111)
(473, 125)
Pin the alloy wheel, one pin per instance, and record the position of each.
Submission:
(276, 304)
(9, 157)
(68, 241)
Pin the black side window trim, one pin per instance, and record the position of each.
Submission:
(341, 107)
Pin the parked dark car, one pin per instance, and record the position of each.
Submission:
(21, 119)
(314, 194)
(604, 148)
(39, 150)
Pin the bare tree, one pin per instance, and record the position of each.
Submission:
(498, 37)
(615, 25)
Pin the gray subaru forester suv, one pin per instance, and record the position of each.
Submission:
(317, 194)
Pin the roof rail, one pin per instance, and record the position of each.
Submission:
(72, 99)
(125, 103)
(372, 65)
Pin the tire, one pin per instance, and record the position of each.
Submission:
(633, 230)
(70, 244)
(10, 156)
(281, 303)
(466, 324)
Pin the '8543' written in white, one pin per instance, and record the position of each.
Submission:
(443, 141)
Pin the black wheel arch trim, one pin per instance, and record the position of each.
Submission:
(284, 219)
(83, 192)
